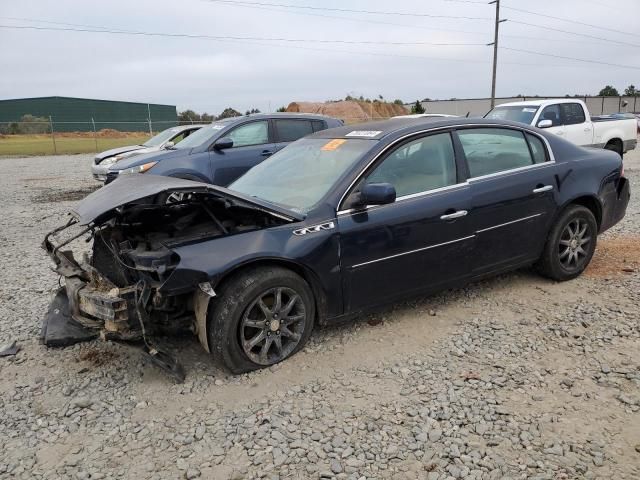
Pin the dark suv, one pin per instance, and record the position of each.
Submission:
(221, 152)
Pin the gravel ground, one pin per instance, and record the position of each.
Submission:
(514, 377)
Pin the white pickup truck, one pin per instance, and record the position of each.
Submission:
(570, 119)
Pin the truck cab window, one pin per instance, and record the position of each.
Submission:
(572, 113)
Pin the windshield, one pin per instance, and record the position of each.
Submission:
(162, 137)
(204, 135)
(522, 113)
(299, 175)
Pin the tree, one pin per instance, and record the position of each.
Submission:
(228, 113)
(188, 116)
(608, 91)
(282, 109)
(631, 91)
(397, 101)
(417, 108)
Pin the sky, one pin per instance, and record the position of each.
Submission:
(410, 52)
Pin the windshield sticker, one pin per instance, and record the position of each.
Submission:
(333, 144)
(217, 127)
(364, 133)
(529, 110)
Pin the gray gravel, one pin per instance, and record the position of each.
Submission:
(515, 377)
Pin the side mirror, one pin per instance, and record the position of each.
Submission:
(545, 124)
(168, 145)
(377, 194)
(223, 143)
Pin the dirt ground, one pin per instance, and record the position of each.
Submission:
(515, 377)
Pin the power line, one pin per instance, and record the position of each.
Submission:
(572, 58)
(349, 10)
(291, 41)
(229, 37)
(256, 5)
(571, 21)
(544, 27)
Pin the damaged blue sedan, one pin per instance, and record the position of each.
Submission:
(335, 225)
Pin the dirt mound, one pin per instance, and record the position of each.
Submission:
(350, 111)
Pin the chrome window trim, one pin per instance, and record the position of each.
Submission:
(435, 191)
(509, 223)
(448, 127)
(411, 251)
(507, 172)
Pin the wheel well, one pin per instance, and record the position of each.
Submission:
(592, 204)
(617, 142)
(309, 277)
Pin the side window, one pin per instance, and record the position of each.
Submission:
(492, 150)
(179, 138)
(292, 130)
(551, 112)
(318, 125)
(538, 151)
(418, 166)
(254, 133)
(572, 113)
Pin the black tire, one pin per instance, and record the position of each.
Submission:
(231, 318)
(555, 262)
(614, 147)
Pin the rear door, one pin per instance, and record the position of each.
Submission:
(290, 129)
(511, 178)
(252, 143)
(577, 129)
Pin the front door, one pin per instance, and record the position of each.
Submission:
(251, 145)
(420, 242)
(513, 187)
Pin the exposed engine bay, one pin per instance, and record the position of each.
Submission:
(115, 290)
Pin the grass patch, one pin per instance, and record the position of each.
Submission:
(66, 143)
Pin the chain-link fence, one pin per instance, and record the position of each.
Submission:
(32, 135)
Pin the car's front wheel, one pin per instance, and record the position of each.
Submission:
(262, 316)
(570, 244)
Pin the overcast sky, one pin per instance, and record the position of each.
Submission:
(209, 75)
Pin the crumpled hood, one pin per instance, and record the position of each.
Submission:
(99, 205)
(115, 151)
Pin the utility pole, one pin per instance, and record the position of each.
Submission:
(495, 52)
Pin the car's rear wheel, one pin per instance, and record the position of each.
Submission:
(263, 316)
(570, 244)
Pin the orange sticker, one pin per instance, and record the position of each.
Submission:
(333, 145)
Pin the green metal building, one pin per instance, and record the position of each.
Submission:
(70, 114)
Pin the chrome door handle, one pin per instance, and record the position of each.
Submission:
(266, 153)
(454, 215)
(587, 129)
(546, 188)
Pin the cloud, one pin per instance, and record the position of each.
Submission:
(210, 75)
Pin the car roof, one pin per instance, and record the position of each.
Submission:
(401, 126)
(281, 115)
(539, 103)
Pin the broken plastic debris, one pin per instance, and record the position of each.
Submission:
(10, 348)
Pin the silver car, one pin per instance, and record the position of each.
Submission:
(162, 141)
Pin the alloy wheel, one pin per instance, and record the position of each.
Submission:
(574, 244)
(273, 325)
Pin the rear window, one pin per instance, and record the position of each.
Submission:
(292, 130)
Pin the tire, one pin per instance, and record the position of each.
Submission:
(567, 252)
(236, 319)
(614, 147)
